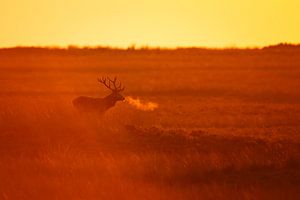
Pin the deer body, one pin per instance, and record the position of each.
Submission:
(100, 105)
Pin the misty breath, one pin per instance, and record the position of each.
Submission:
(146, 106)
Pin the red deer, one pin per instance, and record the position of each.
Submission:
(101, 105)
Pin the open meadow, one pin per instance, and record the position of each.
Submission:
(226, 125)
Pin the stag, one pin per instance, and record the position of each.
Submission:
(101, 105)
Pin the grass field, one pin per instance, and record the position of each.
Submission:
(227, 125)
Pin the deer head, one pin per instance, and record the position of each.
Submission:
(115, 87)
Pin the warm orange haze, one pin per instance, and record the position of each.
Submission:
(117, 100)
(167, 23)
(195, 123)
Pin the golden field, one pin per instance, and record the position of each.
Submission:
(227, 125)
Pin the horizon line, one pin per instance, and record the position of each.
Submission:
(148, 47)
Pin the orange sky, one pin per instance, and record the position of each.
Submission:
(165, 23)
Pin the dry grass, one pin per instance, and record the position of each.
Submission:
(227, 125)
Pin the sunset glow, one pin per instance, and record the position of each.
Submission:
(121, 23)
(149, 99)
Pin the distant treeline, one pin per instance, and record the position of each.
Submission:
(75, 50)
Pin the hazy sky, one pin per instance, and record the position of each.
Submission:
(212, 23)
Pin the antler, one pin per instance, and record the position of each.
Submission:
(107, 82)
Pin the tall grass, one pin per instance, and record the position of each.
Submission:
(223, 129)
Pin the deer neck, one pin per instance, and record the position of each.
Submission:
(110, 100)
